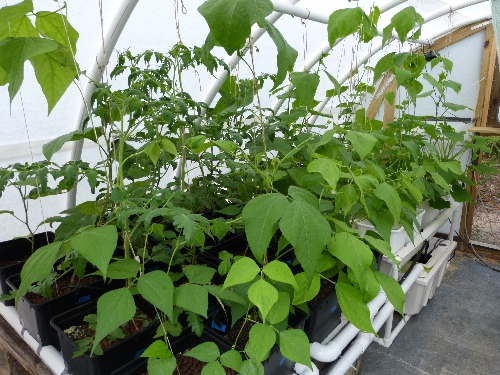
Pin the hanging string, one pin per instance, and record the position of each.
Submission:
(304, 34)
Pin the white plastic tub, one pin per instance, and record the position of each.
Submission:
(397, 235)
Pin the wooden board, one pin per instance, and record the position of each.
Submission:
(11, 342)
(485, 130)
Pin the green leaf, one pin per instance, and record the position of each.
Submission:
(227, 146)
(157, 288)
(433, 82)
(383, 65)
(205, 352)
(353, 307)
(403, 76)
(279, 271)
(251, 367)
(114, 308)
(158, 349)
(353, 252)
(363, 143)
(280, 309)
(230, 21)
(219, 229)
(198, 274)
(392, 290)
(213, 368)
(263, 295)
(15, 51)
(97, 245)
(192, 297)
(286, 54)
(303, 195)
(327, 168)
(12, 13)
(261, 339)
(231, 359)
(454, 107)
(382, 247)
(294, 345)
(306, 85)
(344, 22)
(306, 291)
(169, 147)
(50, 148)
(259, 217)
(403, 21)
(38, 266)
(123, 269)
(56, 27)
(308, 232)
(242, 271)
(225, 294)
(153, 150)
(391, 198)
(20, 27)
(164, 366)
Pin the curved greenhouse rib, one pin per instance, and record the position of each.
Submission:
(324, 49)
(118, 23)
(345, 76)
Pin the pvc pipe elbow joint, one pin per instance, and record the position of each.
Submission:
(301, 369)
(326, 353)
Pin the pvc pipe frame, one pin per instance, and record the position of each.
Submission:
(117, 25)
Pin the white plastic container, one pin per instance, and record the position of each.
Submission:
(398, 236)
(425, 286)
(430, 214)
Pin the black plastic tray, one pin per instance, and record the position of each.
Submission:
(14, 251)
(323, 318)
(114, 357)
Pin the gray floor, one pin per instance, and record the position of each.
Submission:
(457, 333)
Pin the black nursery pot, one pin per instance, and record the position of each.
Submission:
(35, 318)
(14, 251)
(123, 352)
(323, 319)
(220, 323)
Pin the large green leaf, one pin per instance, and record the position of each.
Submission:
(97, 245)
(363, 143)
(306, 290)
(11, 14)
(114, 308)
(308, 232)
(242, 271)
(260, 216)
(353, 307)
(403, 22)
(261, 339)
(352, 252)
(205, 352)
(213, 368)
(391, 198)
(279, 271)
(294, 345)
(280, 310)
(344, 22)
(38, 266)
(231, 359)
(306, 85)
(56, 27)
(327, 168)
(303, 195)
(383, 65)
(392, 290)
(230, 21)
(192, 297)
(198, 274)
(287, 55)
(157, 288)
(50, 148)
(123, 269)
(158, 349)
(225, 294)
(382, 247)
(263, 295)
(22, 26)
(13, 54)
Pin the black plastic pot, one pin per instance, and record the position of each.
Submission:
(123, 352)
(35, 318)
(15, 251)
(220, 323)
(323, 318)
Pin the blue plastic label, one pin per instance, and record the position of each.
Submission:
(83, 299)
(168, 250)
(221, 328)
(334, 308)
(282, 361)
(211, 309)
(154, 268)
(139, 353)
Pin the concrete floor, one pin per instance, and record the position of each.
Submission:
(457, 333)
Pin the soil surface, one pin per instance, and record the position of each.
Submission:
(7, 263)
(62, 286)
(327, 288)
(486, 222)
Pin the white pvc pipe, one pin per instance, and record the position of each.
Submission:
(364, 339)
(304, 370)
(117, 25)
(450, 27)
(49, 355)
(293, 10)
